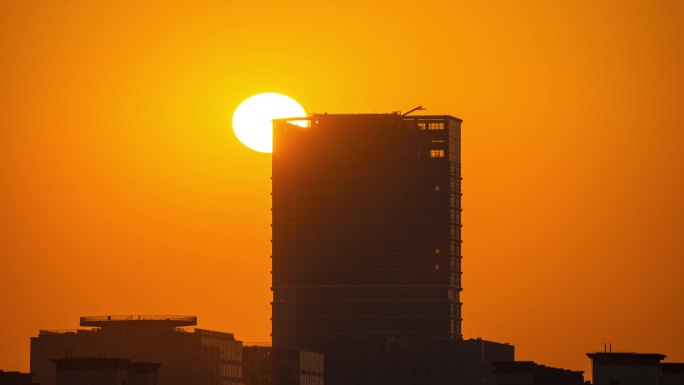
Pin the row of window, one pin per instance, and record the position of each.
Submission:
(431, 125)
(436, 153)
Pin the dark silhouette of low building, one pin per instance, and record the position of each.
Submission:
(531, 373)
(256, 365)
(16, 378)
(613, 368)
(406, 362)
(105, 371)
(298, 367)
(263, 365)
(673, 373)
(143, 373)
(198, 357)
(439, 362)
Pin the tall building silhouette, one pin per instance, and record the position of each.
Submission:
(366, 235)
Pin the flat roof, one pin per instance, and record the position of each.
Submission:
(625, 358)
(527, 366)
(147, 320)
(403, 117)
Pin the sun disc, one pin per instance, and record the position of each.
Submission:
(252, 120)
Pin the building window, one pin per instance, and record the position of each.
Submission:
(436, 126)
(436, 153)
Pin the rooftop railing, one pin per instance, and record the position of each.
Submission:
(169, 320)
(56, 332)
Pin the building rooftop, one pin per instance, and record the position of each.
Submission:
(164, 321)
(215, 333)
(318, 116)
(621, 358)
(147, 323)
(526, 367)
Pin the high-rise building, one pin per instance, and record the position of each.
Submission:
(366, 235)
(201, 357)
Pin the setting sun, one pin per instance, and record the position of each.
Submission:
(252, 120)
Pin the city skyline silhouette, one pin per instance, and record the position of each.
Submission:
(125, 192)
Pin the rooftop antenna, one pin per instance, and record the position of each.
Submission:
(419, 108)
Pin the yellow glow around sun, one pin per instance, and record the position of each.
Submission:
(252, 120)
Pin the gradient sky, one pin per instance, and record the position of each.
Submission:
(123, 189)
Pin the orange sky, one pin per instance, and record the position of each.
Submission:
(123, 190)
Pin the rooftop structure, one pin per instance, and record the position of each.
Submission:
(626, 358)
(171, 321)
